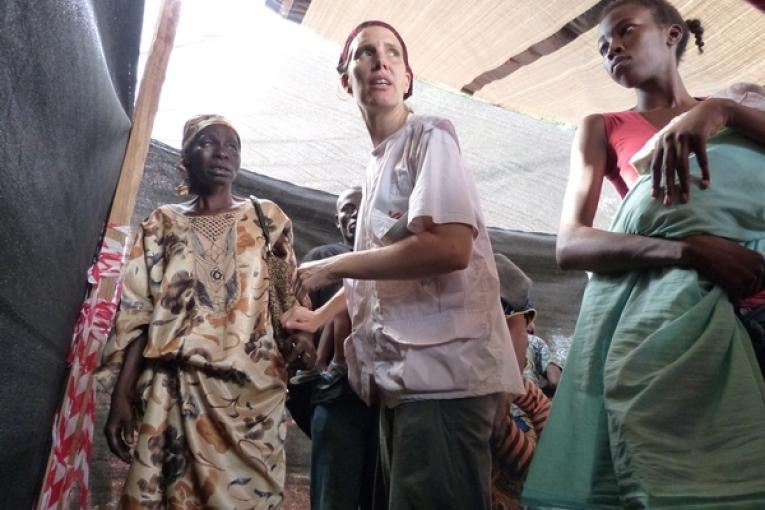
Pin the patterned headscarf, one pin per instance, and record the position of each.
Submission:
(191, 129)
(198, 122)
(342, 63)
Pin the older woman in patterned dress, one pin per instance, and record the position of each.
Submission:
(200, 396)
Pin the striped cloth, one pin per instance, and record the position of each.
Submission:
(513, 452)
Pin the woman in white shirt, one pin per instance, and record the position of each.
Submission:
(428, 337)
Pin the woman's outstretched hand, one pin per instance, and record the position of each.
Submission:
(312, 276)
(689, 135)
(120, 426)
(300, 318)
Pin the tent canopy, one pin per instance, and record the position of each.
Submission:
(276, 80)
(540, 58)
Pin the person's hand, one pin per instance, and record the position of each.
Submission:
(688, 135)
(552, 374)
(501, 419)
(312, 276)
(300, 318)
(738, 270)
(303, 352)
(120, 425)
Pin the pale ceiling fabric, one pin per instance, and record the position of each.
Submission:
(464, 38)
(297, 125)
(451, 42)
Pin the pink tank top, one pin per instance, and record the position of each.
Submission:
(626, 133)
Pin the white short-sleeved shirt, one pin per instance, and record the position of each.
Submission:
(437, 337)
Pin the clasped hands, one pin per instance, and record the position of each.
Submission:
(300, 320)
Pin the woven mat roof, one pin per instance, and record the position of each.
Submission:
(282, 92)
(540, 57)
(276, 80)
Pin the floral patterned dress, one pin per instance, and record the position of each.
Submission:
(212, 391)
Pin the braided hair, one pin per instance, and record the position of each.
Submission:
(664, 13)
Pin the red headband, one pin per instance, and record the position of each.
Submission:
(341, 67)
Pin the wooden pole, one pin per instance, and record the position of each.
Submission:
(73, 426)
(145, 111)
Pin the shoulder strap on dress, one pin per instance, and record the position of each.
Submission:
(261, 221)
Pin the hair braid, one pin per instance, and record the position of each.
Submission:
(694, 26)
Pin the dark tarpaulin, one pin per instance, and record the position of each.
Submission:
(67, 81)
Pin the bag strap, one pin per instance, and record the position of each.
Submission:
(261, 221)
